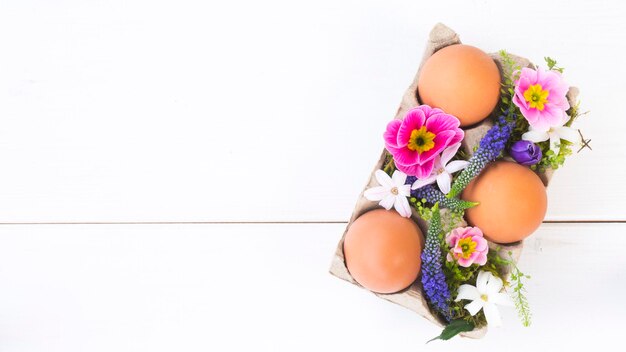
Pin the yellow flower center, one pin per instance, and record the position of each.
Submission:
(536, 96)
(467, 246)
(484, 297)
(394, 191)
(421, 140)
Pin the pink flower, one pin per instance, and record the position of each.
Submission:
(468, 246)
(540, 96)
(417, 140)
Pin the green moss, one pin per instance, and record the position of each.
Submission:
(389, 165)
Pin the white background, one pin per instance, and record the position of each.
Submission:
(259, 122)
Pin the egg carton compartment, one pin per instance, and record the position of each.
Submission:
(413, 297)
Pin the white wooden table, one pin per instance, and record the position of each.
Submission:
(176, 175)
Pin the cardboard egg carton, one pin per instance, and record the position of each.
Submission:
(413, 297)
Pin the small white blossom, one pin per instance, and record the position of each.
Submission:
(554, 134)
(443, 170)
(485, 295)
(392, 192)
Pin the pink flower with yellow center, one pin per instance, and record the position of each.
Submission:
(540, 96)
(419, 138)
(468, 246)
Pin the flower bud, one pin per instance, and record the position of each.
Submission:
(525, 152)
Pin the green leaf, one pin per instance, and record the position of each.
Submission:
(454, 328)
(552, 64)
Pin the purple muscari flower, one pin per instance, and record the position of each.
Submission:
(433, 278)
(525, 152)
(432, 194)
(491, 146)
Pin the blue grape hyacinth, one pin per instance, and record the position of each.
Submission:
(433, 278)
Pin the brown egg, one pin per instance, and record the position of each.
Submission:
(382, 251)
(512, 199)
(461, 80)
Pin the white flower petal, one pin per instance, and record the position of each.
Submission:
(443, 181)
(475, 306)
(404, 190)
(501, 299)
(492, 314)
(456, 166)
(494, 285)
(568, 133)
(555, 142)
(564, 120)
(467, 292)
(398, 178)
(449, 153)
(388, 201)
(376, 193)
(535, 136)
(402, 206)
(481, 281)
(425, 182)
(383, 179)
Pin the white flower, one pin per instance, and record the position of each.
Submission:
(442, 172)
(485, 295)
(392, 192)
(554, 134)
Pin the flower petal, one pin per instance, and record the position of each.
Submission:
(467, 292)
(457, 165)
(564, 120)
(481, 242)
(391, 134)
(492, 314)
(376, 193)
(475, 306)
(481, 281)
(568, 133)
(535, 136)
(405, 157)
(402, 206)
(465, 262)
(388, 201)
(532, 115)
(494, 285)
(427, 109)
(443, 181)
(413, 120)
(404, 190)
(383, 179)
(425, 182)
(481, 258)
(551, 115)
(459, 134)
(529, 74)
(409, 170)
(501, 299)
(439, 122)
(424, 170)
(398, 178)
(518, 99)
(449, 153)
(452, 237)
(555, 142)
